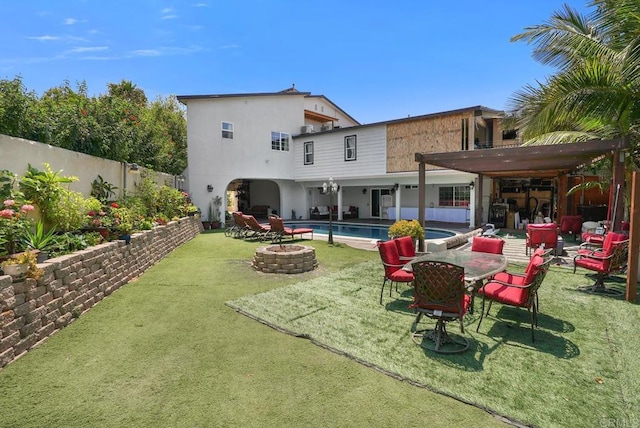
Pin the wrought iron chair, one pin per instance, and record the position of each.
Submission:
(521, 293)
(541, 235)
(611, 258)
(406, 248)
(571, 225)
(440, 294)
(487, 244)
(393, 271)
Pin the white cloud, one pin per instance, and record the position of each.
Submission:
(88, 49)
(166, 51)
(70, 21)
(232, 46)
(200, 5)
(166, 10)
(45, 38)
(146, 52)
(170, 17)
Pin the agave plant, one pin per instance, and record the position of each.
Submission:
(39, 239)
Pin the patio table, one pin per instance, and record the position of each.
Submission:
(477, 265)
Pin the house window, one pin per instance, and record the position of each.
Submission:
(454, 196)
(227, 130)
(280, 141)
(308, 153)
(350, 148)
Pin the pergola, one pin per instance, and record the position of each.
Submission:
(553, 160)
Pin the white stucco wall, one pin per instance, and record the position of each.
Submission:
(17, 153)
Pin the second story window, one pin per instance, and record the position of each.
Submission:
(227, 130)
(280, 141)
(308, 153)
(350, 148)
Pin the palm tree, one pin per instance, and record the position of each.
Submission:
(596, 91)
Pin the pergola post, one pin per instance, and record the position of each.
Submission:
(634, 240)
(617, 204)
(421, 197)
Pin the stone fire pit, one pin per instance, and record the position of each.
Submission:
(285, 259)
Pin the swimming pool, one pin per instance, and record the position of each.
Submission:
(369, 231)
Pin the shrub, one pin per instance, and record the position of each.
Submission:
(406, 228)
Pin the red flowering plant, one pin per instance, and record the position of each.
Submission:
(14, 225)
(98, 216)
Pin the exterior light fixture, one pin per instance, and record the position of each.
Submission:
(331, 187)
(209, 188)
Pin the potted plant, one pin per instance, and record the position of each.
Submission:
(21, 266)
(39, 240)
(410, 228)
(214, 212)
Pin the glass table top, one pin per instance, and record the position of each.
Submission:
(476, 265)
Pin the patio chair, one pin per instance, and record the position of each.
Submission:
(237, 228)
(521, 293)
(255, 229)
(278, 229)
(240, 225)
(571, 225)
(487, 244)
(545, 235)
(609, 259)
(393, 271)
(406, 248)
(440, 294)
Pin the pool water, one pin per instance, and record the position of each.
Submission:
(375, 232)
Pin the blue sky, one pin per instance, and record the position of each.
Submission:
(378, 60)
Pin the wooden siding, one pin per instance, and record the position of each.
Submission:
(431, 135)
(329, 154)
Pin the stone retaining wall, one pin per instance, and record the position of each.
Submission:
(31, 311)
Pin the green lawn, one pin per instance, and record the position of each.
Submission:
(165, 351)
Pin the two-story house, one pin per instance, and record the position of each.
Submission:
(272, 152)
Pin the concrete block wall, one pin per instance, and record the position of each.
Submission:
(31, 311)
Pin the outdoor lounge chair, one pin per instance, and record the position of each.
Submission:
(255, 229)
(611, 258)
(278, 229)
(239, 227)
(571, 225)
(439, 292)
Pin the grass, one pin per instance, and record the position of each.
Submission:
(581, 371)
(165, 351)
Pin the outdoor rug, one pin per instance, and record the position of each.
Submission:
(582, 370)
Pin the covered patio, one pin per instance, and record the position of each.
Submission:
(557, 161)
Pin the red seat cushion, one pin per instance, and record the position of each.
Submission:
(406, 246)
(466, 302)
(509, 295)
(484, 244)
(600, 266)
(401, 276)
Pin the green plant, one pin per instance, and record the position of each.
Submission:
(102, 190)
(69, 210)
(44, 188)
(39, 239)
(14, 224)
(26, 258)
(406, 228)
